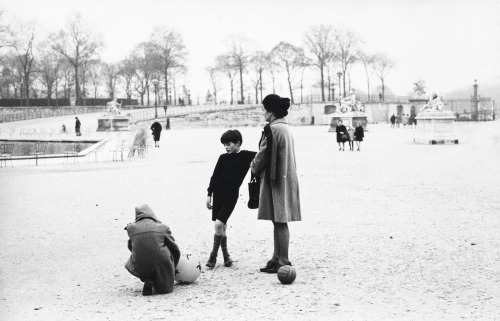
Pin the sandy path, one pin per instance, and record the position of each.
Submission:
(396, 231)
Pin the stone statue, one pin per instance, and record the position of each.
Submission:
(349, 103)
(113, 107)
(434, 104)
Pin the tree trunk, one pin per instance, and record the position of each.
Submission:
(260, 80)
(290, 86)
(241, 86)
(322, 83)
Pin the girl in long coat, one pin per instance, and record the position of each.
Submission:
(359, 133)
(279, 188)
(154, 254)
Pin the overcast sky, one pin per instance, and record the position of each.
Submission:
(446, 43)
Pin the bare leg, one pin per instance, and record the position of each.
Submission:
(276, 253)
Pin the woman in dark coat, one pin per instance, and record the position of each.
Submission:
(342, 135)
(359, 133)
(154, 254)
(156, 128)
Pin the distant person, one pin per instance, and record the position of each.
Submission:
(78, 124)
(63, 129)
(405, 119)
(398, 121)
(154, 253)
(350, 132)
(167, 125)
(359, 133)
(380, 96)
(156, 132)
(224, 189)
(342, 135)
(393, 121)
(165, 108)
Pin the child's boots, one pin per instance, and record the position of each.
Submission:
(213, 256)
(227, 259)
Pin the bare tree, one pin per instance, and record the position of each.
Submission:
(272, 66)
(226, 65)
(128, 72)
(367, 61)
(212, 72)
(174, 74)
(346, 47)
(11, 74)
(144, 61)
(49, 69)
(169, 47)
(382, 66)
(77, 44)
(319, 41)
(291, 59)
(4, 31)
(241, 59)
(111, 74)
(22, 41)
(259, 61)
(95, 77)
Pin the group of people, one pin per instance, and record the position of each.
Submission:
(349, 135)
(407, 119)
(154, 254)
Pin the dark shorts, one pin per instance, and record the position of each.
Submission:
(223, 206)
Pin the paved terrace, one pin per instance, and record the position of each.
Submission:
(397, 231)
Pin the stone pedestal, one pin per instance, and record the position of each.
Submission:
(113, 123)
(350, 118)
(435, 127)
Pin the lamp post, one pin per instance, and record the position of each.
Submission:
(339, 74)
(155, 83)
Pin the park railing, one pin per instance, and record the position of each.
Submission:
(10, 114)
(149, 113)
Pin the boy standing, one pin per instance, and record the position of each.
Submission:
(229, 173)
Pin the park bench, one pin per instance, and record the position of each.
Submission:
(6, 154)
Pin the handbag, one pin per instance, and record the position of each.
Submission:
(344, 137)
(253, 192)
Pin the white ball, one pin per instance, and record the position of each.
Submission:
(187, 270)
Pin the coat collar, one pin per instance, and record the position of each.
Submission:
(279, 121)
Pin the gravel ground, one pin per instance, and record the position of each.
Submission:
(398, 231)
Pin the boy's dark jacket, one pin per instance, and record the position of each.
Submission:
(152, 245)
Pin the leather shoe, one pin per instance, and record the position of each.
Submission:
(269, 265)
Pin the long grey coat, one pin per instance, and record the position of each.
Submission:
(154, 251)
(279, 191)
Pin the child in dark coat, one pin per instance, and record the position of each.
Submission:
(229, 173)
(154, 254)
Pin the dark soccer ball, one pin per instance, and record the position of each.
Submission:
(286, 274)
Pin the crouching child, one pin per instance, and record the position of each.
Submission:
(154, 254)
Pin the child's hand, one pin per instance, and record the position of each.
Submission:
(209, 202)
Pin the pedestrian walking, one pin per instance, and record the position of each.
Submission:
(350, 133)
(156, 132)
(78, 124)
(342, 135)
(359, 133)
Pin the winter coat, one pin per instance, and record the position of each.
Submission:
(341, 130)
(154, 252)
(156, 131)
(279, 186)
